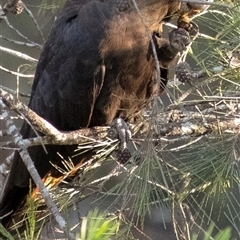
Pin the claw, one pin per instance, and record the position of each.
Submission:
(124, 132)
(179, 39)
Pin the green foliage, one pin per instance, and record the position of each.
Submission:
(99, 226)
(221, 235)
(5, 233)
(142, 185)
(31, 232)
(216, 167)
(52, 5)
(217, 43)
(32, 229)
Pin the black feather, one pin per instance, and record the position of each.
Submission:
(96, 65)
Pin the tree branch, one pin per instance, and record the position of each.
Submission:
(196, 118)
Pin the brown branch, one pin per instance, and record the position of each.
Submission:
(40, 124)
(94, 137)
(208, 117)
(53, 135)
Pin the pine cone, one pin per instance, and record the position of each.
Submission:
(123, 155)
(183, 72)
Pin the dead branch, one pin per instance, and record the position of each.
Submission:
(53, 136)
(196, 118)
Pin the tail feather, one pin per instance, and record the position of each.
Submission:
(12, 201)
(17, 184)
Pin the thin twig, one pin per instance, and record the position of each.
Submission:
(16, 73)
(18, 32)
(31, 45)
(35, 22)
(11, 91)
(18, 54)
